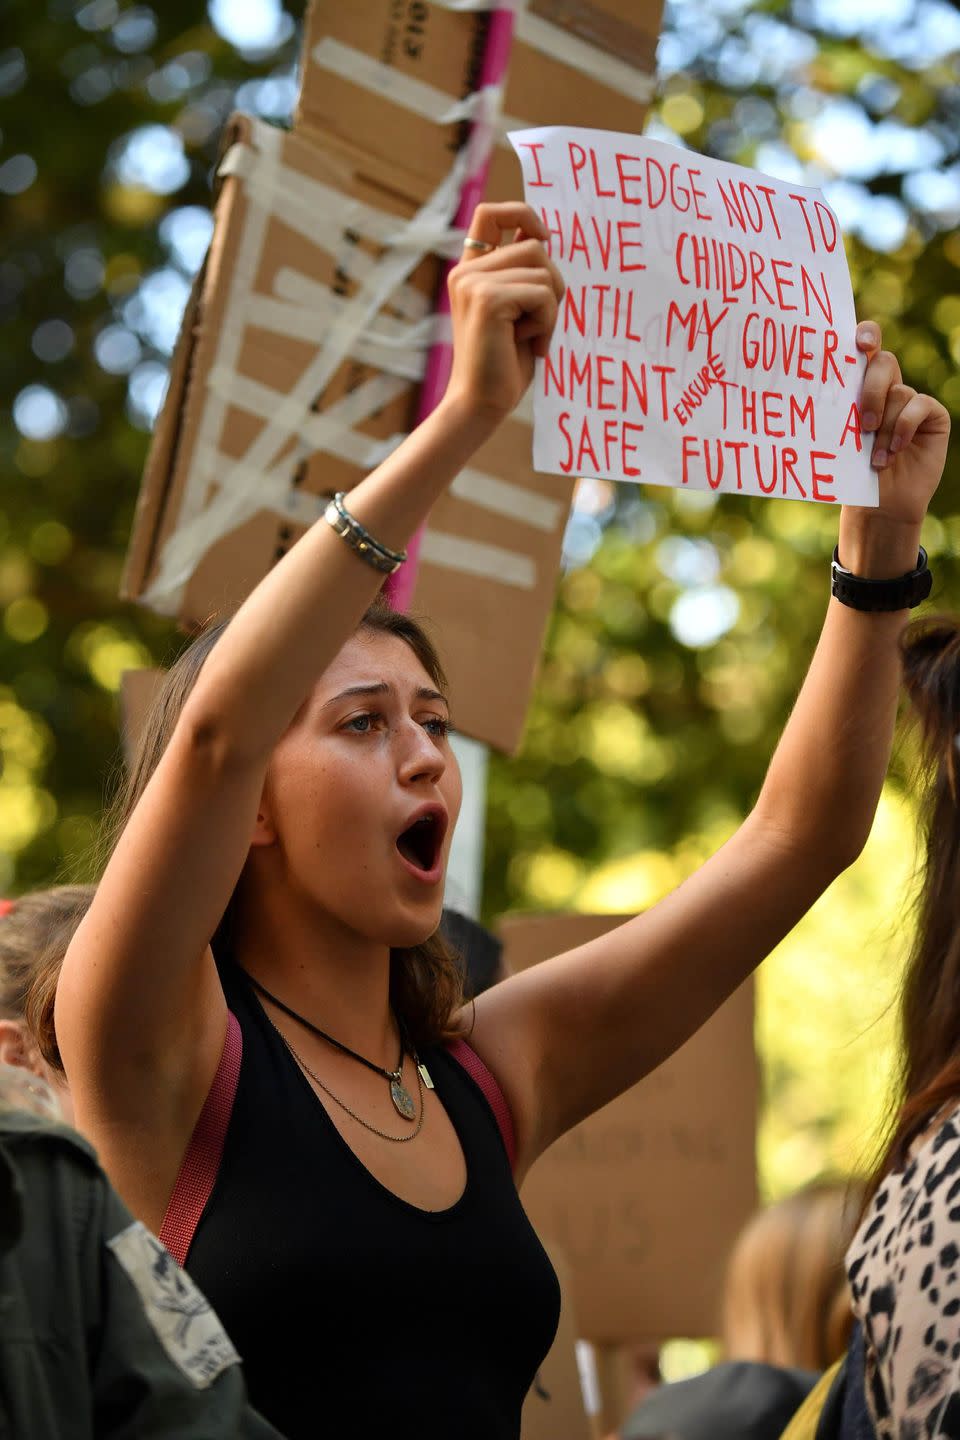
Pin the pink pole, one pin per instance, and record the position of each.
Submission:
(496, 55)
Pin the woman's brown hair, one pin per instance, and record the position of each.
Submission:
(426, 981)
(34, 936)
(929, 1067)
(786, 1300)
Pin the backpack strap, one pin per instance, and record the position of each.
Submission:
(855, 1421)
(830, 1425)
(483, 1076)
(816, 1418)
(201, 1161)
(844, 1414)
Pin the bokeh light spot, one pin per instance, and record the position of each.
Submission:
(17, 174)
(51, 542)
(135, 30)
(98, 15)
(251, 26)
(152, 158)
(25, 811)
(39, 413)
(117, 350)
(273, 98)
(701, 615)
(52, 341)
(683, 113)
(146, 393)
(110, 656)
(83, 273)
(13, 72)
(186, 233)
(156, 308)
(25, 620)
(550, 876)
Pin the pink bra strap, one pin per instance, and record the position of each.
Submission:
(198, 1171)
(466, 1056)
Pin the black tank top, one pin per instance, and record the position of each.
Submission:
(356, 1313)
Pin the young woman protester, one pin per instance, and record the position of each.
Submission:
(904, 1263)
(279, 871)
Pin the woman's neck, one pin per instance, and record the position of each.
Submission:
(333, 977)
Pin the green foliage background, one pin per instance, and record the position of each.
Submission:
(642, 752)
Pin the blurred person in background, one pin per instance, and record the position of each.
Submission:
(35, 931)
(786, 1300)
(786, 1318)
(103, 1336)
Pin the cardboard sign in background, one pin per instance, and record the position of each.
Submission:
(138, 689)
(377, 81)
(646, 1197)
(554, 1408)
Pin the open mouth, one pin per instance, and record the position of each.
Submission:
(420, 843)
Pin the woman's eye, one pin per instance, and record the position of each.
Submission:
(360, 724)
(437, 726)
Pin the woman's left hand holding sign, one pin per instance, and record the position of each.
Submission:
(909, 433)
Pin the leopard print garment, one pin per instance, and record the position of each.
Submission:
(904, 1272)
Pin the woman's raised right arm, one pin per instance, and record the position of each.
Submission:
(140, 1015)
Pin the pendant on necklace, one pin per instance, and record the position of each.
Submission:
(402, 1100)
(425, 1075)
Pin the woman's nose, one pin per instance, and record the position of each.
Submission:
(420, 755)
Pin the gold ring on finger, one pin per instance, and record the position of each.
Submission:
(482, 246)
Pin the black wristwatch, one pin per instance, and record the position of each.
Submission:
(900, 594)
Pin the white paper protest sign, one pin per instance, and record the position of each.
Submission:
(707, 335)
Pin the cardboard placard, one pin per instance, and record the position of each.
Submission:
(256, 429)
(554, 1408)
(646, 1197)
(282, 265)
(138, 689)
(707, 333)
(571, 62)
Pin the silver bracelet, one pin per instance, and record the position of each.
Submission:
(345, 525)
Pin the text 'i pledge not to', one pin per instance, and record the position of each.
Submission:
(707, 334)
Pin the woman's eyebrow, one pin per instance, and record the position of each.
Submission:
(380, 687)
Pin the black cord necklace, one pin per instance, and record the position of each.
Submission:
(402, 1099)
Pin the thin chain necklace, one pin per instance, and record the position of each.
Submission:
(394, 1139)
(399, 1094)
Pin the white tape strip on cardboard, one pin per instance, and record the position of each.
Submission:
(252, 484)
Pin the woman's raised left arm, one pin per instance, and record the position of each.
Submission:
(568, 1035)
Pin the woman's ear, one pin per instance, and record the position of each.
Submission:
(264, 830)
(17, 1047)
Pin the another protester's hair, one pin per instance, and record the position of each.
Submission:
(786, 1300)
(929, 1065)
(34, 935)
(426, 980)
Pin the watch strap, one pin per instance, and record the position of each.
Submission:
(902, 593)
